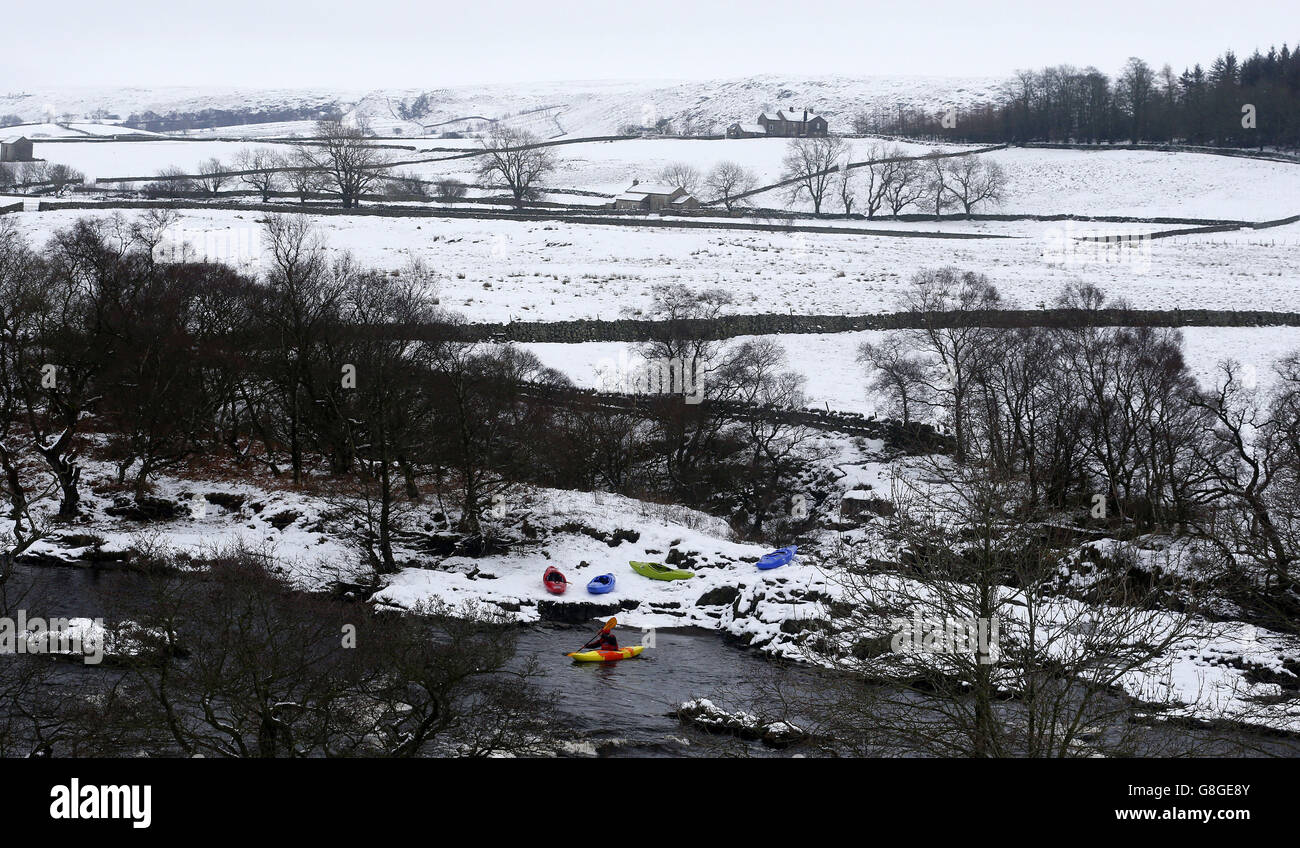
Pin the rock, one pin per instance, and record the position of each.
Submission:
(681, 560)
(719, 597)
(574, 612)
(703, 714)
(799, 625)
(856, 507)
(225, 500)
(145, 509)
(870, 648)
(614, 539)
(283, 519)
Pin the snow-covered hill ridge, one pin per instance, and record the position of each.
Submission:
(581, 107)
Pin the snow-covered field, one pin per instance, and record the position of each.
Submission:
(106, 159)
(836, 380)
(1148, 184)
(497, 270)
(1041, 182)
(610, 166)
(75, 129)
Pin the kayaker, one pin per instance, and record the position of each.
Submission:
(604, 641)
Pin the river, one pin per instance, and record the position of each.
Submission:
(616, 709)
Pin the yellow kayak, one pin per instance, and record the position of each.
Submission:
(607, 656)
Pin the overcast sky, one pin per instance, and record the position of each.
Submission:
(424, 44)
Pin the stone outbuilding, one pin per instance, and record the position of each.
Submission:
(654, 197)
(17, 148)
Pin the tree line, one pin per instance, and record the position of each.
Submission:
(307, 372)
(1109, 423)
(826, 172)
(1251, 102)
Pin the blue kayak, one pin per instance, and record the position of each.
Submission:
(777, 558)
(600, 584)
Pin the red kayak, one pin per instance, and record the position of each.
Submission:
(554, 581)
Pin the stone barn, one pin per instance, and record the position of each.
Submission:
(652, 197)
(746, 131)
(17, 148)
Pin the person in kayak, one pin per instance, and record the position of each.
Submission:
(604, 641)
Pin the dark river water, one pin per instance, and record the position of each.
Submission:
(623, 708)
(617, 709)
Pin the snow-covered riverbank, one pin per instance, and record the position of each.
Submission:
(1226, 670)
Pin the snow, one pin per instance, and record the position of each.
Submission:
(516, 578)
(37, 132)
(834, 378)
(610, 166)
(1148, 184)
(307, 548)
(575, 108)
(107, 159)
(499, 270)
(1207, 672)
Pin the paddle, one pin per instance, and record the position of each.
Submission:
(609, 625)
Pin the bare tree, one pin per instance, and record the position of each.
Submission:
(450, 188)
(756, 374)
(903, 184)
(262, 169)
(982, 656)
(481, 430)
(899, 372)
(21, 295)
(958, 348)
(62, 177)
(266, 671)
(936, 182)
(1254, 464)
(681, 175)
(33, 174)
(406, 186)
(512, 159)
(88, 268)
(304, 176)
(727, 181)
(1134, 93)
(388, 412)
(172, 181)
(846, 183)
(971, 180)
(151, 228)
(343, 154)
(212, 176)
(891, 179)
(302, 301)
(812, 163)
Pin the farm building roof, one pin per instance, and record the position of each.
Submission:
(795, 115)
(651, 188)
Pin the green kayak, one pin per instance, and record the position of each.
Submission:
(656, 571)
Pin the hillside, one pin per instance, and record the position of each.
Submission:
(572, 108)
